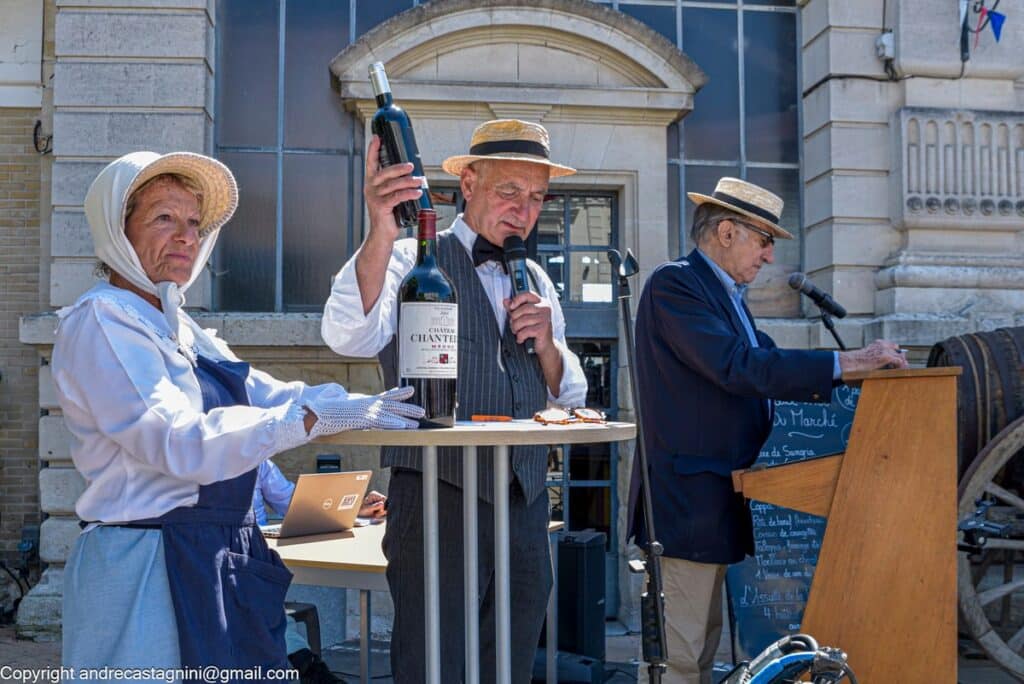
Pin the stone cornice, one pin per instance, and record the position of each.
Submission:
(239, 329)
(607, 108)
(610, 61)
(952, 271)
(588, 18)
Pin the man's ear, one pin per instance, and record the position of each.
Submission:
(468, 181)
(725, 231)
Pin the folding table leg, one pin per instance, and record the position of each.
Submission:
(470, 569)
(431, 589)
(364, 631)
(502, 576)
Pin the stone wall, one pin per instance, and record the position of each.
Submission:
(21, 177)
(126, 75)
(129, 75)
(19, 295)
(901, 167)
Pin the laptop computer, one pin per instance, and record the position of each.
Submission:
(322, 503)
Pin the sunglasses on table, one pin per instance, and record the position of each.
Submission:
(561, 416)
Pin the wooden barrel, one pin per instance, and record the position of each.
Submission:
(991, 389)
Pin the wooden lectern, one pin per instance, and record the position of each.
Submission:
(884, 589)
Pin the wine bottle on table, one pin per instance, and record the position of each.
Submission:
(398, 143)
(428, 330)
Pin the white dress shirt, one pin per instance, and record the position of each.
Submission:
(134, 408)
(348, 331)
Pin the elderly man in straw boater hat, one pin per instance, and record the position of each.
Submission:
(504, 179)
(707, 377)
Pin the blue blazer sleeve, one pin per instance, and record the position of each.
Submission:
(691, 321)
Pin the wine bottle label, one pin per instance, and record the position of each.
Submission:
(428, 343)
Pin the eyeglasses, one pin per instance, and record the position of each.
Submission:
(561, 416)
(767, 239)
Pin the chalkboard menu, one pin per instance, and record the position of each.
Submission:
(767, 593)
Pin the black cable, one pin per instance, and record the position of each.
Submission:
(16, 580)
(356, 675)
(856, 77)
(890, 71)
(977, 10)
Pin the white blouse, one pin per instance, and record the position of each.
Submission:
(133, 405)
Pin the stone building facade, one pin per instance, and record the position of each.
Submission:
(908, 191)
(22, 174)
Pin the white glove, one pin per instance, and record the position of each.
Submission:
(384, 411)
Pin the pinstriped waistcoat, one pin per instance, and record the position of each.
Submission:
(496, 377)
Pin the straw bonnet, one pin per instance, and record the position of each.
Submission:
(748, 200)
(105, 205)
(220, 192)
(509, 139)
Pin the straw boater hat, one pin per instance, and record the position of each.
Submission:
(508, 139)
(217, 184)
(748, 200)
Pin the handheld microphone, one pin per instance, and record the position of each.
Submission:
(798, 281)
(518, 271)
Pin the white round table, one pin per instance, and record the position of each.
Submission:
(469, 436)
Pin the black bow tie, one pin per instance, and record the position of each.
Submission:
(484, 251)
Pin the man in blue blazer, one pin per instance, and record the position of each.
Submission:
(707, 377)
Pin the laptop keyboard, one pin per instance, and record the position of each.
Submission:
(271, 530)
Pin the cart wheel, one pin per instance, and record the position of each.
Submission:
(991, 589)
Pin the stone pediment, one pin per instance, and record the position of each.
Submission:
(539, 54)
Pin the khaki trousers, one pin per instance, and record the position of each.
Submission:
(693, 620)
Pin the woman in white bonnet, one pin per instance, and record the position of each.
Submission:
(169, 428)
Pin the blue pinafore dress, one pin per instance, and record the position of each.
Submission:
(227, 587)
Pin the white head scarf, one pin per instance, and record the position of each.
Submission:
(105, 209)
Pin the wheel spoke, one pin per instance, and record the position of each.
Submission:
(1004, 495)
(995, 593)
(999, 543)
(976, 483)
(1016, 642)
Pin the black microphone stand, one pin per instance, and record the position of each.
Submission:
(652, 601)
(827, 320)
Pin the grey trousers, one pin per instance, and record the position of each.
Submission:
(530, 579)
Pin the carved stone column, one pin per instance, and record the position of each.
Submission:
(957, 196)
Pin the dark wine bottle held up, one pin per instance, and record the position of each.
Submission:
(398, 144)
(428, 330)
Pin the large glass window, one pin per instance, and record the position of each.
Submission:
(745, 120)
(296, 152)
(574, 232)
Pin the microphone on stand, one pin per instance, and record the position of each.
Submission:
(828, 306)
(518, 271)
(798, 281)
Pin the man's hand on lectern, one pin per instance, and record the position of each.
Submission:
(878, 354)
